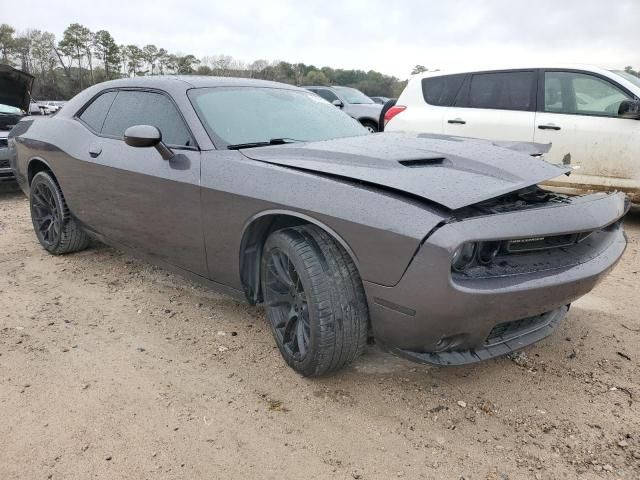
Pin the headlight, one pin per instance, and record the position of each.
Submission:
(463, 256)
(487, 251)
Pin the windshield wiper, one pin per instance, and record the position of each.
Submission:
(273, 141)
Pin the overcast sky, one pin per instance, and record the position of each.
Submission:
(385, 35)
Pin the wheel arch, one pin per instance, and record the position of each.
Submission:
(369, 120)
(36, 165)
(255, 233)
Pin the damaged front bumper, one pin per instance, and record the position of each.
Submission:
(437, 316)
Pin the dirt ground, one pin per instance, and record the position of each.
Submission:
(111, 368)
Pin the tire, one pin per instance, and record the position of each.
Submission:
(314, 300)
(370, 125)
(56, 229)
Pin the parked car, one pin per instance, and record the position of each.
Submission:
(589, 115)
(380, 100)
(52, 106)
(14, 99)
(353, 102)
(9, 117)
(442, 249)
(36, 108)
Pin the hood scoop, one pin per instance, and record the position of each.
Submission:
(422, 162)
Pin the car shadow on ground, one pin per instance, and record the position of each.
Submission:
(633, 217)
(9, 190)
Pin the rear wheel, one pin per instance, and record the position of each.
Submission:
(314, 300)
(369, 125)
(56, 229)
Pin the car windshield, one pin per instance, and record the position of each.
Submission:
(240, 115)
(628, 76)
(351, 95)
(9, 109)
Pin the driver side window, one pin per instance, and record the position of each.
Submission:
(132, 107)
(581, 94)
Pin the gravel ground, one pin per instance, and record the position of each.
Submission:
(111, 368)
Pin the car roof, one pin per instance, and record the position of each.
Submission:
(191, 81)
(172, 84)
(512, 66)
(327, 86)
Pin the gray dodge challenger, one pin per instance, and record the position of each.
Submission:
(444, 250)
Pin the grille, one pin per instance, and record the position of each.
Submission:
(4, 142)
(508, 330)
(541, 243)
(4, 164)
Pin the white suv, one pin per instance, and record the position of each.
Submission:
(590, 115)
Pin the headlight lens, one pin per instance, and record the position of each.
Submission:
(463, 256)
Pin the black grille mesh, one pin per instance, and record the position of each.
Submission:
(504, 331)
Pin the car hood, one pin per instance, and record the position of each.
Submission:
(15, 87)
(451, 171)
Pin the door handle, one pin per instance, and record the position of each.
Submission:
(95, 151)
(457, 121)
(549, 126)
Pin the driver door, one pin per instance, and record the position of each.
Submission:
(131, 195)
(579, 117)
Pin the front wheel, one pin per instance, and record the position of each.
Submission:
(314, 300)
(57, 231)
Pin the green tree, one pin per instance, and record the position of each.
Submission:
(107, 51)
(150, 55)
(42, 52)
(22, 51)
(316, 77)
(75, 43)
(62, 69)
(163, 60)
(6, 41)
(135, 58)
(185, 64)
(419, 69)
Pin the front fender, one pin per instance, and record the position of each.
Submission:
(381, 230)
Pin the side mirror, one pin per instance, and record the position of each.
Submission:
(338, 103)
(629, 109)
(143, 136)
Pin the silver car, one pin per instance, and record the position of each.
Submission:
(352, 102)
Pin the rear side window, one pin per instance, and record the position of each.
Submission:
(502, 90)
(442, 91)
(96, 112)
(147, 108)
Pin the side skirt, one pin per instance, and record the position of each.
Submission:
(153, 260)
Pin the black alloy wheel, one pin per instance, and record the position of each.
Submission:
(285, 295)
(56, 229)
(314, 300)
(45, 216)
